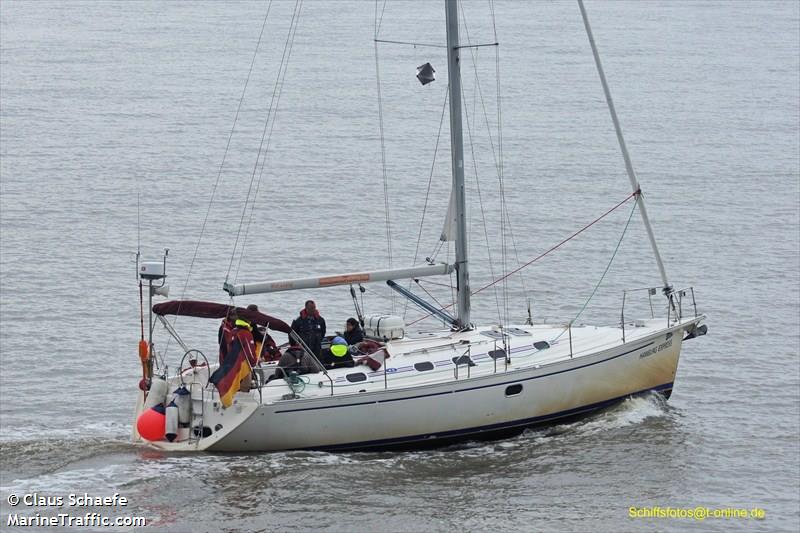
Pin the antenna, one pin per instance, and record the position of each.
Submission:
(138, 226)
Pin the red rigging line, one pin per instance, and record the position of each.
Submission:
(553, 248)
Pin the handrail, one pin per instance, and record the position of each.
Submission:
(674, 312)
(569, 326)
(468, 354)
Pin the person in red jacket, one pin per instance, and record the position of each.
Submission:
(311, 327)
(225, 334)
(243, 334)
(243, 340)
(235, 372)
(265, 344)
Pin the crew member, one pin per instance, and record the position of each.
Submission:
(225, 334)
(338, 355)
(311, 327)
(243, 335)
(265, 344)
(353, 333)
(294, 359)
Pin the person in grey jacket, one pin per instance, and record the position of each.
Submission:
(294, 359)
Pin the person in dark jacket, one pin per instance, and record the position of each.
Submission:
(353, 333)
(338, 355)
(294, 359)
(311, 327)
(265, 344)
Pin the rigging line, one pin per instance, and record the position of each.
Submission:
(592, 223)
(498, 161)
(295, 14)
(507, 222)
(500, 133)
(608, 266)
(494, 25)
(477, 45)
(438, 248)
(379, 21)
(377, 293)
(361, 291)
(383, 164)
(225, 155)
(273, 111)
(550, 250)
(483, 212)
(430, 176)
(262, 150)
(429, 294)
(504, 222)
(138, 222)
(410, 43)
(428, 190)
(453, 292)
(221, 166)
(429, 282)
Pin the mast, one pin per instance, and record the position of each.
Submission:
(457, 162)
(628, 164)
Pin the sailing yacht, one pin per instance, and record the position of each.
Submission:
(415, 388)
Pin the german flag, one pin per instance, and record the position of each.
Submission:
(228, 377)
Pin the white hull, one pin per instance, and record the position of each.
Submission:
(370, 414)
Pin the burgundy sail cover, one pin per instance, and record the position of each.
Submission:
(215, 310)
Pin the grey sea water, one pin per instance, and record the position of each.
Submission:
(101, 103)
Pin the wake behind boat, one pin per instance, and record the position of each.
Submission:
(406, 386)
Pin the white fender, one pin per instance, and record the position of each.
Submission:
(184, 402)
(172, 422)
(157, 393)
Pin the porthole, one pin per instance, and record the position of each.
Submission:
(541, 345)
(424, 366)
(513, 390)
(355, 378)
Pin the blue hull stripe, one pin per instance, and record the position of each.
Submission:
(465, 389)
(492, 427)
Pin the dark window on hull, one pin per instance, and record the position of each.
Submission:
(497, 354)
(513, 390)
(422, 367)
(355, 378)
(463, 360)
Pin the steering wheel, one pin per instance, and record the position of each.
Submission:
(192, 355)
